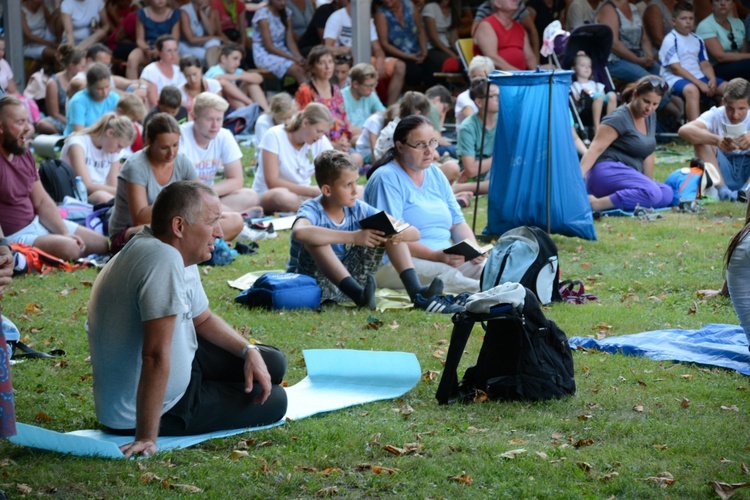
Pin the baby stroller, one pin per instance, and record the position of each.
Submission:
(596, 41)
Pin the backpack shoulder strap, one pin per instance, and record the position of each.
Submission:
(448, 387)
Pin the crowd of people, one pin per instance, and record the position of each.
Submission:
(141, 92)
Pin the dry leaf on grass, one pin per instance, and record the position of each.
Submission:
(471, 428)
(743, 468)
(187, 488)
(730, 407)
(663, 479)
(542, 455)
(430, 375)
(685, 403)
(462, 478)
(723, 460)
(376, 469)
(585, 416)
(584, 466)
(393, 449)
(149, 477)
(583, 442)
(638, 408)
(726, 490)
(513, 453)
(327, 492)
(42, 417)
(238, 454)
(660, 446)
(609, 476)
(23, 489)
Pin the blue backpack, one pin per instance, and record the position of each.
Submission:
(525, 255)
(282, 291)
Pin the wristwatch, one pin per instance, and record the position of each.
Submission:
(247, 348)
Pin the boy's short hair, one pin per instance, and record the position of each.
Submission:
(681, 7)
(131, 106)
(737, 88)
(439, 91)
(330, 164)
(479, 89)
(362, 71)
(209, 100)
(170, 97)
(95, 49)
(228, 48)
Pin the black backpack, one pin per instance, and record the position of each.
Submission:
(524, 356)
(58, 179)
(525, 255)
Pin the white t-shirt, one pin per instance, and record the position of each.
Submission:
(152, 74)
(373, 124)
(98, 162)
(591, 87)
(81, 13)
(6, 74)
(339, 28)
(442, 22)
(715, 117)
(262, 124)
(195, 23)
(385, 139)
(220, 151)
(688, 50)
(462, 101)
(294, 165)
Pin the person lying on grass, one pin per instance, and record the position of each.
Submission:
(163, 363)
(329, 244)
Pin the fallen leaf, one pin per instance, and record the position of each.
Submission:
(238, 454)
(327, 492)
(481, 397)
(23, 489)
(431, 375)
(393, 449)
(5, 462)
(688, 376)
(189, 488)
(383, 470)
(264, 444)
(723, 460)
(330, 470)
(660, 446)
(585, 417)
(609, 476)
(462, 478)
(410, 448)
(406, 410)
(557, 435)
(542, 455)
(685, 403)
(42, 417)
(642, 383)
(476, 429)
(362, 467)
(583, 442)
(743, 468)
(726, 490)
(663, 479)
(439, 353)
(730, 407)
(149, 477)
(638, 408)
(584, 466)
(517, 441)
(513, 453)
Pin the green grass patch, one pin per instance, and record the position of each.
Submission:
(630, 420)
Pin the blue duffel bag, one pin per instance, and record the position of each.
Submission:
(282, 291)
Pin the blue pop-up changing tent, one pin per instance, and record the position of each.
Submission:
(525, 188)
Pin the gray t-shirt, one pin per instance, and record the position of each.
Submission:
(137, 170)
(631, 147)
(146, 280)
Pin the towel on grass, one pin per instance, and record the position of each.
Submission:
(336, 379)
(714, 345)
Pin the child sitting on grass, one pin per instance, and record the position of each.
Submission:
(170, 102)
(584, 85)
(328, 244)
(240, 88)
(684, 62)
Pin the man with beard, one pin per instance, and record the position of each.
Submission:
(27, 213)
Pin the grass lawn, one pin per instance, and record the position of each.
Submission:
(633, 423)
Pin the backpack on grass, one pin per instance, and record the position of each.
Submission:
(282, 291)
(58, 179)
(525, 255)
(32, 260)
(524, 356)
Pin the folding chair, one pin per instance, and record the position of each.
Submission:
(465, 49)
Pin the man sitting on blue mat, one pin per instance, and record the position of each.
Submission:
(163, 363)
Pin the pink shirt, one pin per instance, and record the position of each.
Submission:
(16, 182)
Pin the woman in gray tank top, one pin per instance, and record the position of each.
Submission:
(657, 19)
(619, 165)
(632, 55)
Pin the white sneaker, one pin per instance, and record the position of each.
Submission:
(248, 234)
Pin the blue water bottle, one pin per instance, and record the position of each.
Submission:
(81, 192)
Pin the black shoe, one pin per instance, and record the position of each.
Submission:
(437, 304)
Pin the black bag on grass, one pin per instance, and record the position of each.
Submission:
(58, 179)
(524, 356)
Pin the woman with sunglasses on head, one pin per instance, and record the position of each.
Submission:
(724, 35)
(619, 165)
(405, 184)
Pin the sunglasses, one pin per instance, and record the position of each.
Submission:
(656, 83)
(735, 47)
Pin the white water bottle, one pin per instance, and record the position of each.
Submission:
(81, 192)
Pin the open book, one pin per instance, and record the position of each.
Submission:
(468, 249)
(734, 131)
(381, 222)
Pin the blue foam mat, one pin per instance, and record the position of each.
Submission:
(336, 379)
(714, 344)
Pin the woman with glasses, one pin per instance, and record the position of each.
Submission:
(724, 35)
(405, 184)
(619, 165)
(165, 70)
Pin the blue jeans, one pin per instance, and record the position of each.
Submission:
(630, 72)
(735, 169)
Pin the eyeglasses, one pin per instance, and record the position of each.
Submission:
(421, 146)
(657, 83)
(734, 46)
